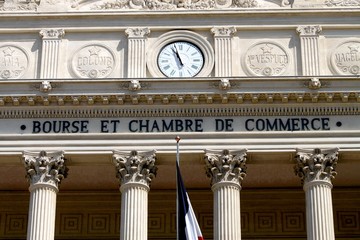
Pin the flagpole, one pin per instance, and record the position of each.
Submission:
(177, 191)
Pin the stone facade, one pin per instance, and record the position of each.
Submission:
(85, 101)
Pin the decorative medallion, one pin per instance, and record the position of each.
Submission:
(345, 59)
(13, 62)
(93, 61)
(266, 59)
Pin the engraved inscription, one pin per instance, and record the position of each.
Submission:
(93, 61)
(266, 59)
(346, 58)
(13, 62)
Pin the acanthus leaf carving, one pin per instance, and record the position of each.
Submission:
(226, 166)
(316, 164)
(135, 167)
(45, 168)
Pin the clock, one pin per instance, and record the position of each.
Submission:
(180, 59)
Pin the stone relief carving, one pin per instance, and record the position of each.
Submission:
(135, 167)
(52, 33)
(43, 167)
(345, 59)
(266, 59)
(345, 3)
(223, 31)
(93, 61)
(173, 5)
(316, 164)
(225, 166)
(13, 62)
(64, 5)
(310, 30)
(19, 5)
(137, 32)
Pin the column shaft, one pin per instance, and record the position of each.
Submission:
(227, 224)
(319, 214)
(134, 211)
(42, 210)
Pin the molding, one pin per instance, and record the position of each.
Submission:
(190, 111)
(114, 92)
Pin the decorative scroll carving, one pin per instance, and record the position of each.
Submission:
(46, 168)
(223, 31)
(225, 166)
(52, 33)
(135, 167)
(345, 59)
(309, 30)
(316, 164)
(266, 59)
(93, 61)
(137, 32)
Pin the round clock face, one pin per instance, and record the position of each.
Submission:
(180, 59)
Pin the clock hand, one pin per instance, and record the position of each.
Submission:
(177, 55)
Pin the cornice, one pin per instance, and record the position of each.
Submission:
(79, 93)
(210, 13)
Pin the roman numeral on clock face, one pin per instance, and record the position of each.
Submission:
(180, 59)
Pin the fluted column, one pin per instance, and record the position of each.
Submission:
(223, 50)
(226, 170)
(51, 39)
(309, 40)
(44, 172)
(135, 171)
(316, 168)
(136, 51)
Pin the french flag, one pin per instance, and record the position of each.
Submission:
(188, 227)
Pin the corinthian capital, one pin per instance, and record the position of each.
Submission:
(316, 164)
(223, 31)
(52, 33)
(135, 167)
(225, 166)
(137, 32)
(46, 168)
(309, 30)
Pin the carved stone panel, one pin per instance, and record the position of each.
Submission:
(93, 61)
(345, 59)
(14, 62)
(266, 59)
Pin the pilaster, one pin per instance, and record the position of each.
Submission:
(51, 40)
(309, 40)
(136, 51)
(44, 171)
(135, 171)
(316, 168)
(223, 50)
(227, 171)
